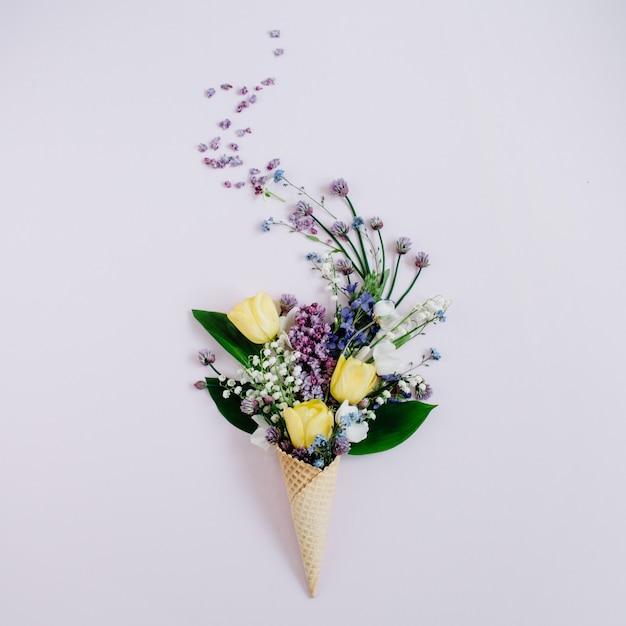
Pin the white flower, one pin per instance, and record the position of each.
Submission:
(385, 358)
(258, 436)
(345, 416)
(385, 314)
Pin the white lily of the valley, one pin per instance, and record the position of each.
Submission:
(355, 432)
(385, 314)
(258, 436)
(386, 359)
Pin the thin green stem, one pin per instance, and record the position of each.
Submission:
(311, 198)
(358, 231)
(393, 279)
(410, 286)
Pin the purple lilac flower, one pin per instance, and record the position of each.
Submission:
(254, 171)
(376, 223)
(274, 33)
(241, 106)
(214, 144)
(345, 267)
(243, 91)
(421, 260)
(308, 337)
(339, 187)
(233, 146)
(240, 184)
(266, 225)
(227, 184)
(200, 385)
(272, 435)
(249, 406)
(403, 245)
(341, 445)
(278, 174)
(235, 161)
(278, 52)
(224, 124)
(285, 445)
(210, 92)
(273, 164)
(202, 147)
(287, 302)
(339, 229)
(226, 86)
(301, 223)
(301, 454)
(268, 81)
(258, 190)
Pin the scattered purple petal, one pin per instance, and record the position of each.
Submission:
(235, 161)
(210, 92)
(233, 146)
(254, 171)
(268, 81)
(228, 184)
(274, 163)
(275, 33)
(202, 147)
(257, 88)
(214, 143)
(226, 86)
(240, 184)
(278, 52)
(252, 99)
(243, 91)
(244, 104)
(224, 124)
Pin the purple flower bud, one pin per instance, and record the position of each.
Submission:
(341, 446)
(272, 435)
(274, 163)
(421, 260)
(339, 187)
(403, 245)
(376, 223)
(200, 385)
(345, 267)
(249, 406)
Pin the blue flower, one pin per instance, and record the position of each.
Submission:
(278, 174)
(357, 222)
(267, 223)
(434, 354)
(441, 315)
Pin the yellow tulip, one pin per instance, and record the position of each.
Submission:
(306, 420)
(256, 318)
(352, 380)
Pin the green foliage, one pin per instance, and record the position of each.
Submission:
(395, 422)
(229, 407)
(226, 334)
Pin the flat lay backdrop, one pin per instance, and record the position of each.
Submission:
(492, 134)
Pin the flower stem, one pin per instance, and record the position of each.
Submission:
(366, 264)
(410, 286)
(393, 279)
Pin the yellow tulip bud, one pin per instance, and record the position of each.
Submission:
(306, 420)
(256, 318)
(352, 380)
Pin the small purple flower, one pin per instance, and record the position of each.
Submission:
(301, 454)
(423, 391)
(226, 86)
(214, 144)
(304, 208)
(206, 357)
(278, 52)
(202, 147)
(376, 223)
(278, 174)
(272, 435)
(287, 302)
(258, 88)
(227, 184)
(266, 225)
(233, 146)
(258, 190)
(339, 229)
(243, 91)
(254, 171)
(241, 106)
(210, 92)
(403, 245)
(345, 267)
(224, 124)
(339, 187)
(274, 33)
(240, 184)
(235, 161)
(200, 385)
(341, 446)
(268, 81)
(421, 260)
(274, 163)
(249, 406)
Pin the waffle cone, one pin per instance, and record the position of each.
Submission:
(310, 491)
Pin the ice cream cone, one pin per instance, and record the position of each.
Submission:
(310, 491)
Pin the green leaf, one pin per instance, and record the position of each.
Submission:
(229, 407)
(395, 422)
(226, 334)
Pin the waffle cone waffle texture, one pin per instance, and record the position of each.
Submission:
(310, 491)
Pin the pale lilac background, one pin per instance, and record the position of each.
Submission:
(492, 133)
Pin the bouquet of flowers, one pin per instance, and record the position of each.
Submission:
(317, 381)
